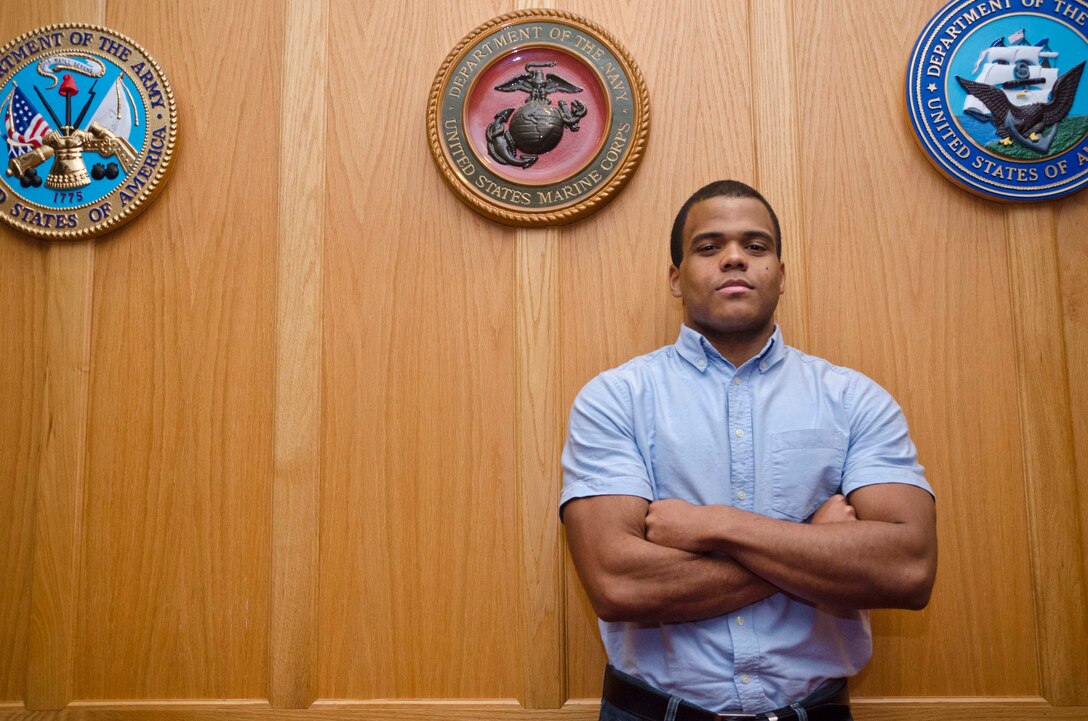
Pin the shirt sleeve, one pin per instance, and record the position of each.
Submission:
(880, 449)
(602, 456)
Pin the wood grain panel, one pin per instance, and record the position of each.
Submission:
(419, 556)
(908, 285)
(613, 267)
(48, 386)
(1071, 218)
(297, 485)
(539, 441)
(777, 131)
(175, 594)
(539, 476)
(1049, 472)
(58, 497)
(60, 480)
(22, 381)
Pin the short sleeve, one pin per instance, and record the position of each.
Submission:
(880, 448)
(602, 455)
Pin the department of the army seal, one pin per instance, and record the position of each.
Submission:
(996, 98)
(90, 129)
(537, 117)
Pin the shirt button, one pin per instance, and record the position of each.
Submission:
(701, 363)
(740, 620)
(763, 366)
(736, 380)
(740, 433)
(745, 679)
(741, 495)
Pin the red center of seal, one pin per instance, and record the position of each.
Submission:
(537, 124)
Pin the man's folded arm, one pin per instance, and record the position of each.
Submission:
(886, 559)
(628, 578)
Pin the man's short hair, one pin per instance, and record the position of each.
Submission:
(723, 189)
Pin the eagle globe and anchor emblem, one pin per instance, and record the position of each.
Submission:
(537, 126)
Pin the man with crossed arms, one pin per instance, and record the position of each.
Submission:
(734, 505)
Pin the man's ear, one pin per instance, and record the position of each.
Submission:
(781, 278)
(674, 281)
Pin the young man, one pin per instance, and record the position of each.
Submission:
(733, 505)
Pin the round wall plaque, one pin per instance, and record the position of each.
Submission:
(90, 130)
(537, 117)
(997, 100)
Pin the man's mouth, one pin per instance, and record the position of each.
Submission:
(734, 286)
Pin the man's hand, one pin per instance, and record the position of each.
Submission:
(835, 510)
(682, 525)
(677, 524)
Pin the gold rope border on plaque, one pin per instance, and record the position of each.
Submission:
(596, 200)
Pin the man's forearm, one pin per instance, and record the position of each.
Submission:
(647, 583)
(887, 558)
(867, 564)
(628, 578)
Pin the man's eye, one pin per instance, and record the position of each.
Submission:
(706, 248)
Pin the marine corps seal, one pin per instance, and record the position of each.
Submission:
(90, 127)
(996, 98)
(537, 117)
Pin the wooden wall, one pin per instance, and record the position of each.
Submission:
(287, 445)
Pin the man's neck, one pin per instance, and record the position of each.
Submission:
(739, 348)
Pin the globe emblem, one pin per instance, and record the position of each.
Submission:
(537, 126)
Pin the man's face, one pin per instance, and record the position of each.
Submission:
(730, 277)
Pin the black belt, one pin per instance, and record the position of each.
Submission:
(830, 702)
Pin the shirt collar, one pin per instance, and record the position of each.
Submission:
(697, 350)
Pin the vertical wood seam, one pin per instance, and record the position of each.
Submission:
(541, 601)
(1023, 413)
(543, 679)
(59, 491)
(62, 465)
(801, 228)
(296, 483)
(752, 99)
(781, 180)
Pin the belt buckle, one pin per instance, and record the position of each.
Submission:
(734, 716)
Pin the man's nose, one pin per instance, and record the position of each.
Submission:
(732, 256)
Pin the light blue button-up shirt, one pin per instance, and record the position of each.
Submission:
(777, 436)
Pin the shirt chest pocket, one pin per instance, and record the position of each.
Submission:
(806, 470)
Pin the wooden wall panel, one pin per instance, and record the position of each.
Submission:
(912, 289)
(297, 452)
(418, 594)
(22, 316)
(174, 600)
(1049, 471)
(23, 358)
(1070, 220)
(324, 402)
(57, 473)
